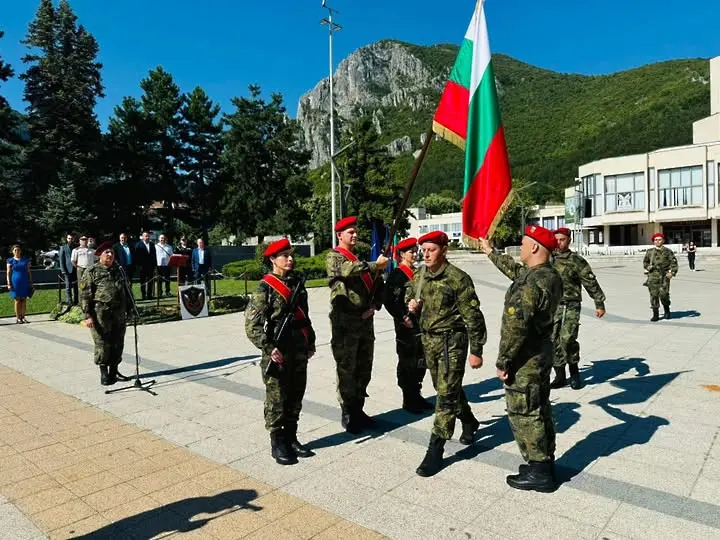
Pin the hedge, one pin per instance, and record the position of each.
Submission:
(314, 266)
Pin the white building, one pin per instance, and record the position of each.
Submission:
(422, 222)
(625, 200)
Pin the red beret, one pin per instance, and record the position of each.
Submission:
(436, 237)
(277, 247)
(346, 223)
(657, 235)
(104, 247)
(563, 230)
(544, 237)
(408, 243)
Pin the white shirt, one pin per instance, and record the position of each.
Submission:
(83, 257)
(201, 256)
(147, 245)
(163, 253)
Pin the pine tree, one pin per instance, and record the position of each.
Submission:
(374, 193)
(62, 85)
(62, 211)
(264, 186)
(201, 140)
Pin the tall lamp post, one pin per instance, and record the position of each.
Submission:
(332, 28)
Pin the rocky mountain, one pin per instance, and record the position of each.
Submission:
(553, 122)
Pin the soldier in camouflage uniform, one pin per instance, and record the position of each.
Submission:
(444, 299)
(352, 285)
(575, 272)
(410, 366)
(285, 388)
(660, 266)
(103, 300)
(525, 354)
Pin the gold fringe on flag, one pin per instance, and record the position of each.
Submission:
(448, 135)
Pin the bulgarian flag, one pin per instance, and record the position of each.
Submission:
(469, 116)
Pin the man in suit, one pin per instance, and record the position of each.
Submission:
(202, 263)
(146, 261)
(124, 256)
(68, 271)
(185, 271)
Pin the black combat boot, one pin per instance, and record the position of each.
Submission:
(105, 376)
(469, 427)
(666, 315)
(432, 462)
(411, 403)
(535, 476)
(656, 315)
(575, 382)
(365, 421)
(290, 432)
(560, 378)
(349, 421)
(114, 373)
(280, 449)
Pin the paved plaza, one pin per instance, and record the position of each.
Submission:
(638, 446)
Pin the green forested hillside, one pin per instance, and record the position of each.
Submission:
(555, 122)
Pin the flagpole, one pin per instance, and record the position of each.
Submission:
(408, 190)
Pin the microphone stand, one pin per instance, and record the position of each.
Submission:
(137, 385)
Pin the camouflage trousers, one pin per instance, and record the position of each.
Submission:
(659, 288)
(409, 375)
(565, 334)
(108, 335)
(527, 399)
(284, 394)
(451, 402)
(353, 346)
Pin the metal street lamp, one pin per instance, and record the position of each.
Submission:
(332, 28)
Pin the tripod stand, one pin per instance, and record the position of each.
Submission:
(137, 385)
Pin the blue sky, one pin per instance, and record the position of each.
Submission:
(224, 45)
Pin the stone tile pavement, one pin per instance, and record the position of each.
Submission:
(638, 446)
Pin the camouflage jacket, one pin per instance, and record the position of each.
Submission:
(658, 262)
(103, 285)
(575, 272)
(527, 321)
(394, 302)
(449, 303)
(349, 293)
(266, 308)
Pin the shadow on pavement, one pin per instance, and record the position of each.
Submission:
(176, 516)
(684, 314)
(478, 392)
(205, 365)
(602, 371)
(632, 430)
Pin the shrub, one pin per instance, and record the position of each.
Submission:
(314, 266)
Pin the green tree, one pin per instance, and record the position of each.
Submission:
(161, 102)
(264, 185)
(439, 204)
(375, 193)
(61, 210)
(510, 228)
(62, 85)
(201, 147)
(320, 215)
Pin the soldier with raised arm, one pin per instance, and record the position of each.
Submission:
(355, 295)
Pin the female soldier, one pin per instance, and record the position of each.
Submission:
(285, 381)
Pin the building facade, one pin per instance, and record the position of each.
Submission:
(625, 200)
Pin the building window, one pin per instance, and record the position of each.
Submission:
(434, 227)
(445, 227)
(592, 190)
(548, 223)
(561, 221)
(625, 192)
(652, 188)
(682, 186)
(711, 184)
(456, 227)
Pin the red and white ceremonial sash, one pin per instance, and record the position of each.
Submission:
(350, 256)
(407, 271)
(283, 290)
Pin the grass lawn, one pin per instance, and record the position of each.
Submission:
(45, 300)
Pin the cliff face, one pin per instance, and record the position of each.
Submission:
(373, 79)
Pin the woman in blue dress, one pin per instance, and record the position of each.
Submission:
(19, 281)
